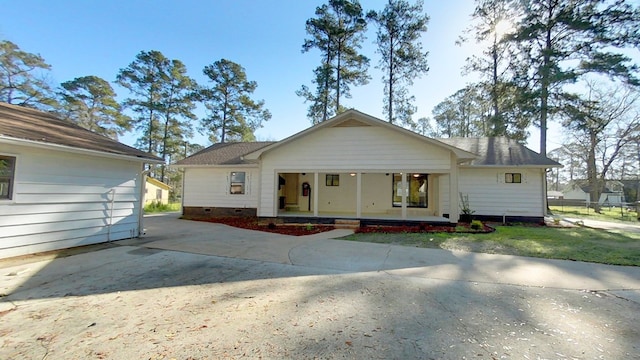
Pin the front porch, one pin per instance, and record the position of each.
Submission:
(365, 219)
(408, 196)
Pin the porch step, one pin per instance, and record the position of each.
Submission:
(349, 224)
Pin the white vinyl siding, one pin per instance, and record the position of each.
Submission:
(346, 150)
(209, 187)
(490, 195)
(63, 200)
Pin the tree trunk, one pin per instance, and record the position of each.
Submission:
(592, 174)
(390, 94)
(544, 91)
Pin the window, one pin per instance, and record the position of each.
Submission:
(333, 180)
(513, 178)
(237, 182)
(158, 194)
(7, 174)
(416, 192)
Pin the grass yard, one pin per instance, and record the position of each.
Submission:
(580, 244)
(155, 207)
(616, 214)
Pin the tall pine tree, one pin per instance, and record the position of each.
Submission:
(400, 26)
(337, 32)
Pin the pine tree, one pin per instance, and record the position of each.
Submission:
(232, 114)
(400, 26)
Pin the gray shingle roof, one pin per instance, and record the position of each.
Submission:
(224, 153)
(23, 123)
(499, 151)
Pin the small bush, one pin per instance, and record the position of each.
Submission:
(157, 206)
(271, 225)
(476, 224)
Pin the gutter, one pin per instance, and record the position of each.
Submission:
(41, 145)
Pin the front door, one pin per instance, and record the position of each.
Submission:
(291, 189)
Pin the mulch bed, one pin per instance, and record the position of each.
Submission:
(310, 229)
(425, 228)
(253, 224)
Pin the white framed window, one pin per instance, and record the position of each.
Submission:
(7, 176)
(332, 180)
(513, 178)
(238, 181)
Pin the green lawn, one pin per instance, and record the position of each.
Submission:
(158, 208)
(607, 213)
(581, 244)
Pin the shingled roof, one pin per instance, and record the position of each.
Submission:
(499, 151)
(224, 154)
(21, 123)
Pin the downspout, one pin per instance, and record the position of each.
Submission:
(113, 198)
(143, 184)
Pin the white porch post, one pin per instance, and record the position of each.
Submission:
(454, 211)
(359, 195)
(437, 197)
(403, 175)
(315, 194)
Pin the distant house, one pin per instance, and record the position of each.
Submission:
(631, 190)
(612, 193)
(553, 194)
(63, 186)
(156, 191)
(356, 166)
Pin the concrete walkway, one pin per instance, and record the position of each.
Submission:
(605, 225)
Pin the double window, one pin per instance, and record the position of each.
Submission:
(7, 176)
(237, 183)
(513, 178)
(416, 192)
(332, 180)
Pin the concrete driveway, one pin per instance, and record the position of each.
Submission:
(190, 290)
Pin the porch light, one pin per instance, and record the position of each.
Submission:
(353, 174)
(416, 175)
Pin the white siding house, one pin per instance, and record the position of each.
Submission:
(63, 186)
(356, 166)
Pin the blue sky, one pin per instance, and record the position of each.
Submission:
(79, 38)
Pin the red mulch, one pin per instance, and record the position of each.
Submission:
(424, 228)
(285, 229)
(306, 229)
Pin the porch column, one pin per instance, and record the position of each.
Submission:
(358, 195)
(454, 210)
(403, 175)
(437, 196)
(315, 194)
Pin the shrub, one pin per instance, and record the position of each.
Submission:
(476, 224)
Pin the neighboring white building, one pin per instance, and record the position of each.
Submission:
(156, 191)
(63, 186)
(357, 166)
(612, 193)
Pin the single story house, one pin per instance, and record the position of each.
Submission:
(355, 166)
(156, 191)
(63, 186)
(612, 192)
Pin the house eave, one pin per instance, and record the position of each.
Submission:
(65, 148)
(529, 166)
(221, 166)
